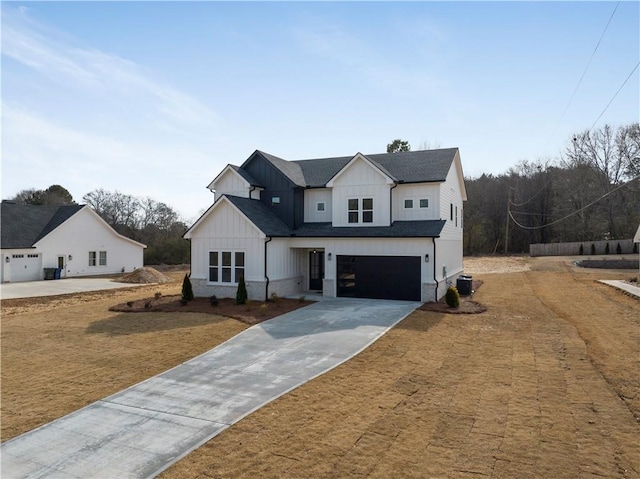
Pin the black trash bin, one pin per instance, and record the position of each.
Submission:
(58, 273)
(50, 273)
(464, 284)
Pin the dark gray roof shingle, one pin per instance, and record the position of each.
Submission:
(405, 166)
(246, 175)
(267, 221)
(23, 225)
(289, 168)
(261, 216)
(399, 229)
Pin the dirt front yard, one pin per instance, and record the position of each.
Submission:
(542, 384)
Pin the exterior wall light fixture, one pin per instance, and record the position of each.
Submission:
(426, 258)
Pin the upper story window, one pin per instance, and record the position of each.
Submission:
(424, 202)
(360, 210)
(320, 206)
(408, 204)
(275, 200)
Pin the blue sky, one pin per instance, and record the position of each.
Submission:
(155, 98)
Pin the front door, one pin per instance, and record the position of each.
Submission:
(316, 270)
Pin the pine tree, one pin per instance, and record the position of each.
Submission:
(241, 295)
(187, 290)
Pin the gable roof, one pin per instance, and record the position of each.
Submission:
(24, 225)
(268, 222)
(260, 215)
(376, 166)
(242, 173)
(405, 166)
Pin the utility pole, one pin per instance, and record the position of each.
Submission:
(506, 234)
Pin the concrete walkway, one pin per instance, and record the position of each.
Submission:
(626, 287)
(144, 429)
(33, 289)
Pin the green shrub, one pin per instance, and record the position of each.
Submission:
(241, 294)
(606, 249)
(581, 250)
(593, 248)
(452, 297)
(187, 290)
(618, 249)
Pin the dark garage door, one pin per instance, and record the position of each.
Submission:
(380, 277)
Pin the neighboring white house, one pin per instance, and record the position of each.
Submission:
(374, 226)
(73, 239)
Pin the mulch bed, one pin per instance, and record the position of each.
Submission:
(253, 312)
(467, 305)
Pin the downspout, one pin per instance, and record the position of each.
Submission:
(434, 267)
(266, 286)
(391, 203)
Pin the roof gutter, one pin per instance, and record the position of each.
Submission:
(434, 268)
(395, 183)
(266, 277)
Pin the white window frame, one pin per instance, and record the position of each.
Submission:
(321, 206)
(404, 203)
(102, 258)
(420, 202)
(234, 267)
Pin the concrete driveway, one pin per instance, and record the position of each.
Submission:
(32, 289)
(144, 429)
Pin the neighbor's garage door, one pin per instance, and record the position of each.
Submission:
(379, 277)
(26, 267)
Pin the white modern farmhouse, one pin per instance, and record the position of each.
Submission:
(368, 226)
(72, 239)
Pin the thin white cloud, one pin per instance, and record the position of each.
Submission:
(58, 58)
(340, 46)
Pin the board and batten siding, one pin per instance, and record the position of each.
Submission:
(84, 232)
(311, 199)
(451, 194)
(416, 192)
(230, 183)
(360, 180)
(226, 229)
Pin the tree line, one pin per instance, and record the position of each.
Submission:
(146, 220)
(591, 192)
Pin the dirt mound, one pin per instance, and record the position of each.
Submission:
(145, 275)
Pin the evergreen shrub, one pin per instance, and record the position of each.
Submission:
(452, 297)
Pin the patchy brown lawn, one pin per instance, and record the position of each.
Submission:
(542, 384)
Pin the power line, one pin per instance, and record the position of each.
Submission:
(517, 205)
(615, 95)
(566, 108)
(572, 213)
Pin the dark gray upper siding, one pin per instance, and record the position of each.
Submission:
(269, 223)
(23, 225)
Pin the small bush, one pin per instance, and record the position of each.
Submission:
(214, 300)
(618, 249)
(274, 298)
(263, 309)
(452, 297)
(187, 290)
(593, 249)
(301, 299)
(581, 250)
(606, 249)
(241, 294)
